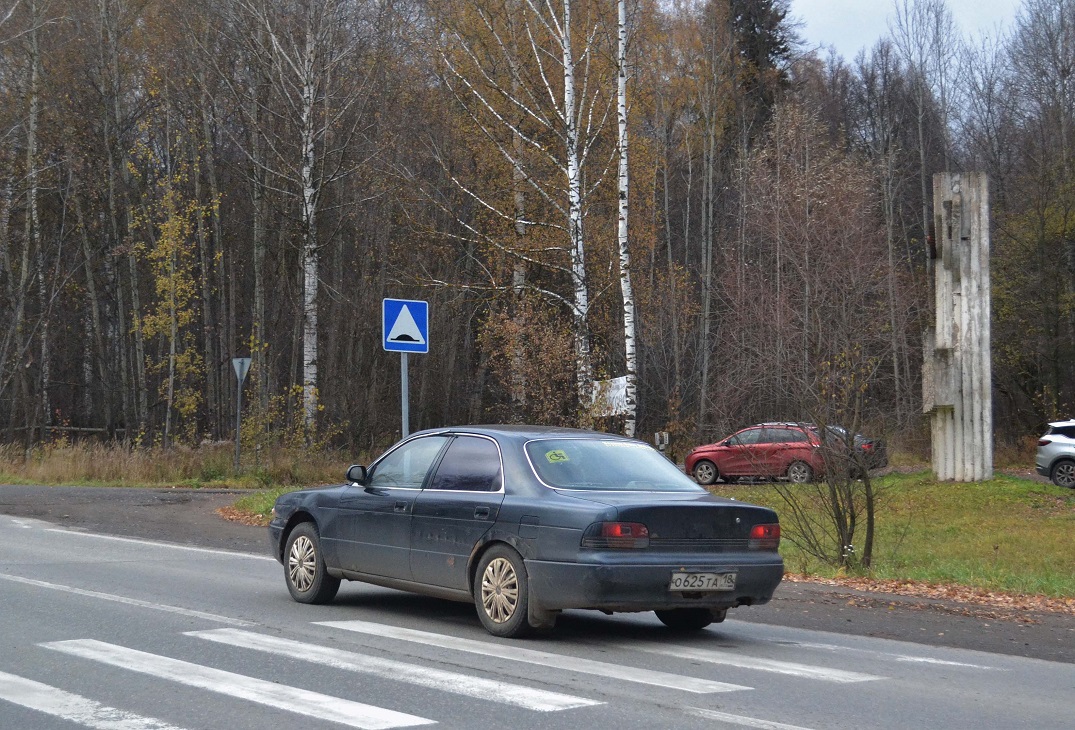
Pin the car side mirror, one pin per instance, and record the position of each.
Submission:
(356, 473)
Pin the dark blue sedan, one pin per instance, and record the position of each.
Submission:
(527, 521)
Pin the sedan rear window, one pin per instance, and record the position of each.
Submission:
(605, 464)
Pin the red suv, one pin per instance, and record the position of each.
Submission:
(769, 450)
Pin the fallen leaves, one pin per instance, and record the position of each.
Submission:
(973, 601)
(242, 517)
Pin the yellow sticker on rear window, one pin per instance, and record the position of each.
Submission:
(556, 456)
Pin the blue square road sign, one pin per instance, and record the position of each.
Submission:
(405, 325)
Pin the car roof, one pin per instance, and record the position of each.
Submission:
(522, 432)
(1063, 423)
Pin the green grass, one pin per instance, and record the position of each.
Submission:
(1008, 534)
(259, 504)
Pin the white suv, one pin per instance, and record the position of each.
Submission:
(1056, 454)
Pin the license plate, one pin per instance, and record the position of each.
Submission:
(702, 582)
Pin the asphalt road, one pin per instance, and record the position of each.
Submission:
(186, 628)
(189, 517)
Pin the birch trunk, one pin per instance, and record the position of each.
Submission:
(141, 401)
(173, 335)
(309, 247)
(258, 199)
(206, 260)
(33, 221)
(9, 336)
(890, 237)
(625, 254)
(670, 264)
(705, 254)
(96, 331)
(110, 141)
(581, 304)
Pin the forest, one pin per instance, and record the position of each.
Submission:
(675, 193)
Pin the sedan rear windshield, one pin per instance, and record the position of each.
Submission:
(605, 464)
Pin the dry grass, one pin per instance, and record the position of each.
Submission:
(1014, 454)
(207, 465)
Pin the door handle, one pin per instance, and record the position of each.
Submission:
(481, 513)
(400, 507)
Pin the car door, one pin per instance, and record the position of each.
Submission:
(458, 506)
(738, 457)
(765, 452)
(374, 518)
(788, 445)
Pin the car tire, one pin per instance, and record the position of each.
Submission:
(502, 592)
(307, 577)
(689, 619)
(1063, 474)
(799, 472)
(705, 472)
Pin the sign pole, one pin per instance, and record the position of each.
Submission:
(242, 367)
(405, 389)
(238, 423)
(405, 329)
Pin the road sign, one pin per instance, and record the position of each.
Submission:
(242, 367)
(405, 325)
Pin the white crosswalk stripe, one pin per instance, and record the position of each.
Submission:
(292, 699)
(751, 722)
(517, 653)
(73, 708)
(425, 676)
(710, 656)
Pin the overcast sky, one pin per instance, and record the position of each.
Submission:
(851, 25)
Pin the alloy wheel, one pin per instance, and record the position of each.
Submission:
(1064, 474)
(500, 590)
(705, 472)
(799, 473)
(302, 563)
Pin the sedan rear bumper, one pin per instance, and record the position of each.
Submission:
(644, 587)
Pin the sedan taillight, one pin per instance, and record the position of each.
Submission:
(616, 535)
(765, 537)
(1044, 442)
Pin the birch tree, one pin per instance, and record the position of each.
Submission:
(311, 48)
(119, 86)
(924, 33)
(882, 110)
(520, 71)
(19, 268)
